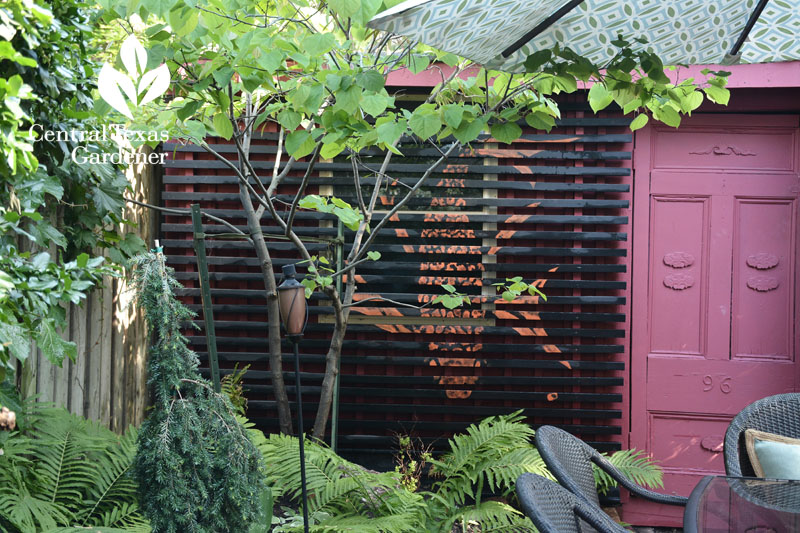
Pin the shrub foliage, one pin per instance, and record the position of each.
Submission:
(197, 470)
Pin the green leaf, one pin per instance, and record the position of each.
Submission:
(13, 336)
(319, 43)
(692, 101)
(469, 130)
(52, 345)
(349, 99)
(599, 97)
(668, 116)
(540, 121)
(425, 123)
(418, 62)
(270, 61)
(345, 8)
(82, 260)
(222, 76)
(375, 104)
(331, 150)
(370, 80)
(390, 131)
(223, 126)
(534, 61)
(718, 95)
(639, 122)
(374, 255)
(183, 19)
(299, 144)
(289, 119)
(196, 130)
(453, 115)
(506, 132)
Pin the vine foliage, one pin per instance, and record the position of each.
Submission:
(197, 470)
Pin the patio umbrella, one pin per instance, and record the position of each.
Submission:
(500, 34)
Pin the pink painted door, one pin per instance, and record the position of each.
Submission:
(714, 322)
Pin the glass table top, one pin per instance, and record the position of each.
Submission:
(744, 505)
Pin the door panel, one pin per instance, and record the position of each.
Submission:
(764, 298)
(714, 298)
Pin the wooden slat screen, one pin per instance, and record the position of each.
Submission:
(552, 206)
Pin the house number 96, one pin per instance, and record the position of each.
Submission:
(724, 385)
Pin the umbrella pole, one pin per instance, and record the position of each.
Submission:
(543, 25)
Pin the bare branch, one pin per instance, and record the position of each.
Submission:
(382, 299)
(357, 182)
(405, 199)
(303, 185)
(188, 212)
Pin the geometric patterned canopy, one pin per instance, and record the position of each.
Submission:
(679, 31)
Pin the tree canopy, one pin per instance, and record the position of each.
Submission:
(315, 72)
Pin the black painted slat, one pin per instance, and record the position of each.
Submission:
(384, 201)
(412, 151)
(439, 217)
(501, 314)
(457, 349)
(433, 267)
(418, 280)
(418, 169)
(428, 234)
(449, 183)
(422, 298)
(410, 329)
(462, 360)
(474, 410)
(441, 393)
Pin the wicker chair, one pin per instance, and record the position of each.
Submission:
(570, 460)
(778, 414)
(553, 509)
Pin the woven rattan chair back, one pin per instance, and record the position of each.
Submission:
(553, 509)
(569, 459)
(779, 414)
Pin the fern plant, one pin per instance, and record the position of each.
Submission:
(344, 497)
(197, 470)
(492, 454)
(68, 472)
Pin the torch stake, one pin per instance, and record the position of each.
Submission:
(295, 340)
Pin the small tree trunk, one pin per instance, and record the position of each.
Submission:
(331, 362)
(273, 313)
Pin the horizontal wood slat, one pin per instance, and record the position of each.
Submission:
(552, 208)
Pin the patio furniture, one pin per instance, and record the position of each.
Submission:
(570, 460)
(778, 414)
(553, 509)
(720, 503)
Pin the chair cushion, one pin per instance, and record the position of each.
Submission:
(773, 456)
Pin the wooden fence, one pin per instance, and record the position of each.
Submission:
(107, 380)
(552, 206)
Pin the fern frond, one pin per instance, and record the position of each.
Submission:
(502, 472)
(111, 482)
(362, 524)
(492, 516)
(634, 464)
(485, 443)
(64, 443)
